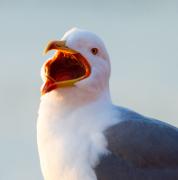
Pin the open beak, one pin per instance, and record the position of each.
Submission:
(65, 68)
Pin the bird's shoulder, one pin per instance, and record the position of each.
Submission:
(142, 141)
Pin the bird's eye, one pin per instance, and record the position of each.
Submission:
(94, 51)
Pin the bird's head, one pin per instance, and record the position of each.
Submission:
(80, 61)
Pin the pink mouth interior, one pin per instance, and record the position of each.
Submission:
(64, 68)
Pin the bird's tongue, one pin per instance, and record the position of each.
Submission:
(65, 76)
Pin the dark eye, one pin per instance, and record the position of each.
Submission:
(94, 51)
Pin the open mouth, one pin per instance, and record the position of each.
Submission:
(65, 69)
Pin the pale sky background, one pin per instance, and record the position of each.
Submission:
(142, 40)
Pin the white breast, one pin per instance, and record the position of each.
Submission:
(71, 140)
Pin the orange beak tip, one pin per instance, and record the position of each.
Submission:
(47, 87)
(46, 50)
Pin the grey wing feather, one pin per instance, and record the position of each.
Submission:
(141, 148)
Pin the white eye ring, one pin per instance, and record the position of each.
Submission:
(94, 51)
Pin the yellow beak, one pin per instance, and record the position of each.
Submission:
(65, 68)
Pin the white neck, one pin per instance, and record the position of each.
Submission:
(70, 99)
(70, 133)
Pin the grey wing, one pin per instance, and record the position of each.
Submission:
(141, 149)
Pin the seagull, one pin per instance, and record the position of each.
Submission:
(82, 135)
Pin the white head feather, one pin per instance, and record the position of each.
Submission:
(98, 81)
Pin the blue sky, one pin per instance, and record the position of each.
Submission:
(142, 40)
